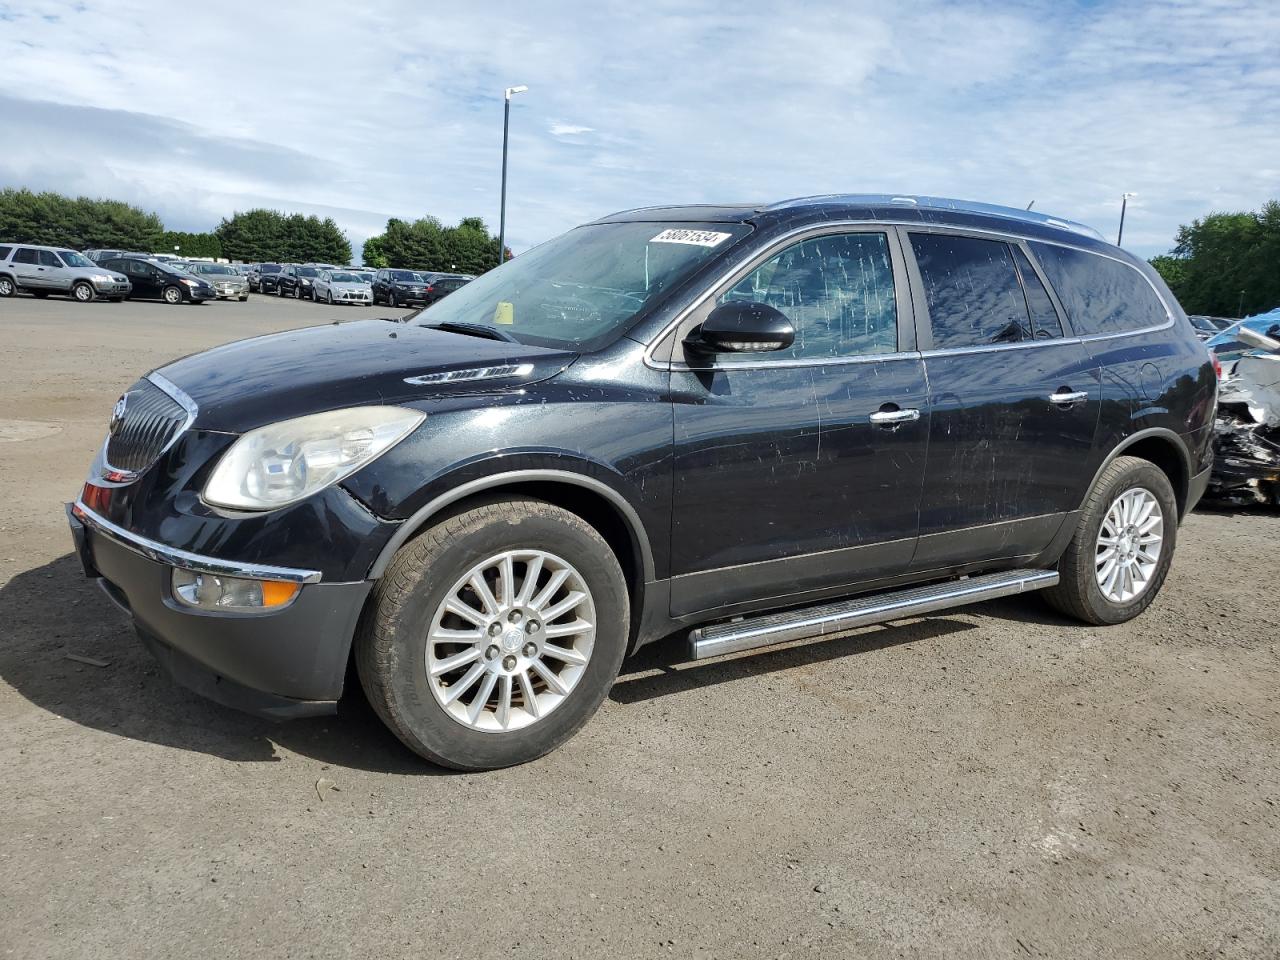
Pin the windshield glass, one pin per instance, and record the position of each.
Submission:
(73, 259)
(270, 268)
(344, 278)
(407, 276)
(582, 289)
(220, 269)
(308, 272)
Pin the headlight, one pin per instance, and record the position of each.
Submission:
(287, 461)
(191, 283)
(103, 278)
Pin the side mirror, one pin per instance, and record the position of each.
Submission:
(742, 326)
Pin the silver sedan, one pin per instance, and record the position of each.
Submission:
(226, 280)
(341, 286)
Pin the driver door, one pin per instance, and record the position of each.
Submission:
(785, 485)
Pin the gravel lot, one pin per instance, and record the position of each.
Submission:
(995, 782)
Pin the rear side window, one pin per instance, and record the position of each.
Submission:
(1100, 295)
(972, 291)
(1045, 324)
(26, 255)
(837, 291)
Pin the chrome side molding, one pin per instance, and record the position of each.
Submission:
(733, 637)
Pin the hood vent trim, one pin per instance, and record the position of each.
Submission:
(471, 374)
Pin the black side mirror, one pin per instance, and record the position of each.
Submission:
(742, 326)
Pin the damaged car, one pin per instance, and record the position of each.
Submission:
(748, 424)
(1246, 432)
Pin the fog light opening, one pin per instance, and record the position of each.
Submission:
(209, 591)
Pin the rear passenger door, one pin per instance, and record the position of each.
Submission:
(799, 470)
(1014, 401)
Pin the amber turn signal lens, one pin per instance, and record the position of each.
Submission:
(276, 593)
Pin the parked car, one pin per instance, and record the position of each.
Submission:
(399, 288)
(264, 276)
(153, 280)
(295, 281)
(226, 280)
(366, 276)
(341, 286)
(440, 285)
(42, 271)
(755, 423)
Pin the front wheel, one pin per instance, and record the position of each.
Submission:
(297, 293)
(172, 295)
(82, 292)
(329, 298)
(7, 287)
(1123, 545)
(495, 635)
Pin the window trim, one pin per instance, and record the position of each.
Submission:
(694, 313)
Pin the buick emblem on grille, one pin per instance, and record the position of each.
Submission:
(117, 414)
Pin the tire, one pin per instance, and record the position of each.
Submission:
(172, 294)
(7, 287)
(82, 292)
(329, 298)
(313, 295)
(391, 300)
(297, 293)
(1079, 593)
(393, 642)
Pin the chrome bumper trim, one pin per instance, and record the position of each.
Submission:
(191, 561)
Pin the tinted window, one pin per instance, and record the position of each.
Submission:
(837, 291)
(972, 291)
(4, 252)
(1100, 295)
(49, 259)
(26, 255)
(1044, 319)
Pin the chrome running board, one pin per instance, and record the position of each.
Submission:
(738, 635)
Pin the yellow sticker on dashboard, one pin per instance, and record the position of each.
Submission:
(505, 313)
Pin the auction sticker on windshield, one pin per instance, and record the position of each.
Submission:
(701, 238)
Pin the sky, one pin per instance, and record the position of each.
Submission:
(363, 112)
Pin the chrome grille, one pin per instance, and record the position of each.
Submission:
(147, 424)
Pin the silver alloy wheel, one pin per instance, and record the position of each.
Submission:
(511, 641)
(1129, 544)
(83, 292)
(6, 287)
(172, 295)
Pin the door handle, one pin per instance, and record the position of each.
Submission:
(1064, 398)
(890, 417)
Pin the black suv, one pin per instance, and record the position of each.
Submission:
(263, 277)
(399, 288)
(295, 281)
(756, 424)
(440, 285)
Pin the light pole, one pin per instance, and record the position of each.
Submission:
(1124, 202)
(502, 212)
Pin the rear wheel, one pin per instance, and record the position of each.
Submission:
(82, 292)
(1123, 545)
(494, 636)
(172, 294)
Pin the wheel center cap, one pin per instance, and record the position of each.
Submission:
(512, 638)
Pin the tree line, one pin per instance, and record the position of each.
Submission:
(1226, 264)
(427, 244)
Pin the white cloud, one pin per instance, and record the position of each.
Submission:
(393, 111)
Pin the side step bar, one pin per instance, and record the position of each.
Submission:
(738, 635)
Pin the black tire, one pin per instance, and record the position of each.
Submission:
(391, 644)
(7, 287)
(172, 294)
(82, 292)
(314, 299)
(329, 298)
(391, 300)
(297, 293)
(1078, 594)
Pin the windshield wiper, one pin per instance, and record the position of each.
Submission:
(472, 329)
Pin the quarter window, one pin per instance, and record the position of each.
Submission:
(1045, 324)
(4, 252)
(972, 291)
(837, 291)
(1100, 295)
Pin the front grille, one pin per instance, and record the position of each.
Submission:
(150, 421)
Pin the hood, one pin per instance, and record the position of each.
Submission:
(250, 383)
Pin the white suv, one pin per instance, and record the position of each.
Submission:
(41, 271)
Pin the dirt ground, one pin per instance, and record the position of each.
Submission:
(994, 782)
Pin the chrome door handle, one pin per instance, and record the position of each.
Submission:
(894, 416)
(1064, 399)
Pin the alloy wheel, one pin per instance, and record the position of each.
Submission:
(510, 641)
(1129, 543)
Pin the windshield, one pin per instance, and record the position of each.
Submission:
(270, 268)
(584, 288)
(344, 278)
(408, 276)
(308, 272)
(73, 259)
(220, 269)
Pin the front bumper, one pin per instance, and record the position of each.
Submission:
(112, 288)
(231, 293)
(285, 663)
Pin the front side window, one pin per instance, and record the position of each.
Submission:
(1100, 295)
(49, 259)
(73, 259)
(586, 288)
(836, 290)
(972, 291)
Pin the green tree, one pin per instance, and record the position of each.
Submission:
(372, 254)
(426, 244)
(269, 235)
(191, 244)
(80, 222)
(1226, 264)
